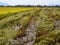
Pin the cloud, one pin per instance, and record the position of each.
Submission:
(31, 2)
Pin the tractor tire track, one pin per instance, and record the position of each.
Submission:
(30, 31)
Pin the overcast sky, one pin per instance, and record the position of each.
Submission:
(31, 2)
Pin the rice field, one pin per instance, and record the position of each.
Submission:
(6, 10)
(29, 26)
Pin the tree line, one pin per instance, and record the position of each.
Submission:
(29, 6)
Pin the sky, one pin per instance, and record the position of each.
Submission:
(31, 2)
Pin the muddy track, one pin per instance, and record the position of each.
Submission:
(30, 33)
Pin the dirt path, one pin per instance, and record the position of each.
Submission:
(30, 36)
(30, 31)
